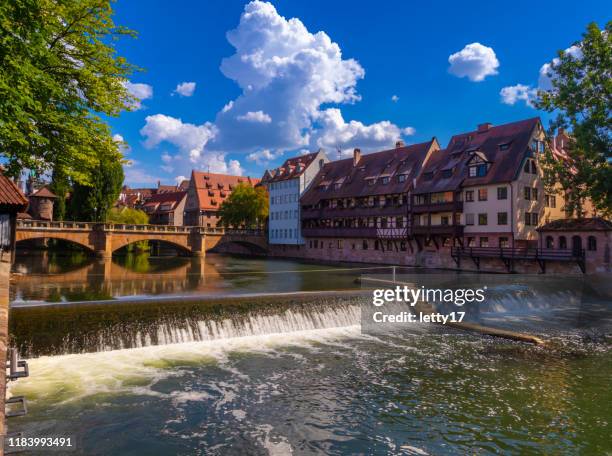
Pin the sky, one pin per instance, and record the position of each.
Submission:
(237, 87)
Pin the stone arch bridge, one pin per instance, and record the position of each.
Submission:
(105, 238)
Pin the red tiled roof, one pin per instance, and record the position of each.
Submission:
(584, 224)
(215, 188)
(10, 195)
(43, 192)
(505, 164)
(352, 180)
(168, 197)
(291, 168)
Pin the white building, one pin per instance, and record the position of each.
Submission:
(285, 186)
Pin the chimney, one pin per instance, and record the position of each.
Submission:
(158, 183)
(399, 144)
(356, 156)
(484, 127)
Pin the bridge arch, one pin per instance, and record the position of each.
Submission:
(80, 241)
(179, 246)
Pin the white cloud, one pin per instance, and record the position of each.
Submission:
(138, 176)
(520, 92)
(191, 140)
(335, 133)
(255, 116)
(179, 179)
(263, 157)
(117, 137)
(510, 95)
(123, 146)
(474, 61)
(394, 98)
(286, 74)
(185, 89)
(547, 71)
(140, 92)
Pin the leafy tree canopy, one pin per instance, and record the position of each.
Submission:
(127, 215)
(581, 95)
(59, 73)
(246, 207)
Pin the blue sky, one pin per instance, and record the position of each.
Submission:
(287, 88)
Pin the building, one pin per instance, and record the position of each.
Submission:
(206, 193)
(591, 236)
(285, 185)
(358, 209)
(41, 204)
(485, 189)
(12, 201)
(166, 208)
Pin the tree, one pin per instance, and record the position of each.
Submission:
(581, 95)
(246, 207)
(127, 215)
(91, 202)
(59, 73)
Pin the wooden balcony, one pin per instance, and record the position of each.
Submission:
(339, 232)
(511, 254)
(374, 211)
(452, 206)
(438, 230)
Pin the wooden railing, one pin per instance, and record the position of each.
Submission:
(518, 253)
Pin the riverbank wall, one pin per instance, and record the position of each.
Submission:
(5, 270)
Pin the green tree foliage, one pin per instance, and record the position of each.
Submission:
(581, 95)
(59, 73)
(127, 215)
(246, 207)
(91, 202)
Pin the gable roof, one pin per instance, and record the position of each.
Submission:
(43, 192)
(486, 144)
(583, 224)
(10, 195)
(291, 168)
(212, 189)
(342, 178)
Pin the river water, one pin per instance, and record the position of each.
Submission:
(164, 356)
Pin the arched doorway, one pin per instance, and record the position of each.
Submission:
(576, 245)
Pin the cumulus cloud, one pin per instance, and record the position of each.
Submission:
(123, 146)
(520, 92)
(140, 92)
(335, 133)
(185, 89)
(394, 98)
(286, 74)
(474, 61)
(191, 140)
(255, 116)
(263, 157)
(510, 95)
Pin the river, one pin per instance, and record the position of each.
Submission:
(228, 355)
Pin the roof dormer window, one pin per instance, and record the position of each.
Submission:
(504, 146)
(478, 170)
(447, 173)
(428, 176)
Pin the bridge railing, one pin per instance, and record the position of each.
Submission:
(70, 225)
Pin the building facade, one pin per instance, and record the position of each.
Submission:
(206, 193)
(166, 208)
(358, 209)
(286, 185)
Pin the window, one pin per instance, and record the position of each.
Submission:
(340, 243)
(376, 246)
(469, 195)
(502, 193)
(371, 182)
(482, 194)
(527, 167)
(592, 243)
(472, 171)
(504, 243)
(365, 245)
(535, 218)
(401, 178)
(471, 242)
(469, 219)
(447, 173)
(504, 146)
(385, 180)
(534, 194)
(534, 145)
(482, 219)
(527, 193)
(444, 220)
(528, 218)
(534, 169)
(550, 201)
(484, 242)
(502, 218)
(550, 242)
(482, 170)
(562, 242)
(428, 176)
